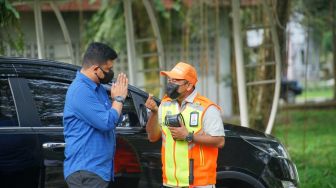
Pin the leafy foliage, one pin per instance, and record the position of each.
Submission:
(161, 9)
(327, 41)
(317, 15)
(10, 32)
(184, 20)
(107, 25)
(316, 12)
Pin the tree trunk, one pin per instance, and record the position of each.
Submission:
(333, 25)
(261, 100)
(283, 10)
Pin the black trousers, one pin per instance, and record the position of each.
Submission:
(85, 179)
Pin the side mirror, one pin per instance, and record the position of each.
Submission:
(143, 117)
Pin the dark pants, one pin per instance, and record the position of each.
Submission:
(85, 179)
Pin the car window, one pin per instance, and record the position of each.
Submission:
(49, 97)
(129, 116)
(8, 117)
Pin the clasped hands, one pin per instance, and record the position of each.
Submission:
(120, 86)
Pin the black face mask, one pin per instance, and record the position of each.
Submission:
(108, 76)
(171, 90)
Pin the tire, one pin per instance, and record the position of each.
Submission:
(234, 183)
(234, 179)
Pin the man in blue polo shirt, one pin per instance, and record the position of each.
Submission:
(90, 119)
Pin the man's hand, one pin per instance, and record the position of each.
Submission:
(179, 133)
(120, 87)
(151, 104)
(152, 127)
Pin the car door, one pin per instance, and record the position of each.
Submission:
(18, 152)
(25, 126)
(149, 153)
(48, 98)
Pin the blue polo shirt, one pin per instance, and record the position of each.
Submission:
(89, 129)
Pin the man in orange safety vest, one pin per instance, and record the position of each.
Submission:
(191, 129)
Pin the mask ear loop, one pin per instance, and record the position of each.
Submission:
(101, 69)
(97, 76)
(96, 73)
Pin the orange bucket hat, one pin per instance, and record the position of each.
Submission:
(182, 71)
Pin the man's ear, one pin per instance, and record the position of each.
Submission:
(94, 67)
(190, 86)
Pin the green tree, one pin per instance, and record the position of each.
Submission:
(107, 25)
(319, 15)
(10, 32)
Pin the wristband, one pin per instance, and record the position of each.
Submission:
(119, 99)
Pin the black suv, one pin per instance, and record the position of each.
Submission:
(32, 142)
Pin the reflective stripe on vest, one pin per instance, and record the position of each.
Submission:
(176, 154)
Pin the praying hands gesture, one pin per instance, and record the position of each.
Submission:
(120, 87)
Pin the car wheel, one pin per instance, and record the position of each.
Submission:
(231, 183)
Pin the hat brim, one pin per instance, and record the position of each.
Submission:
(171, 74)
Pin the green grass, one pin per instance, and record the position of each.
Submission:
(310, 137)
(326, 93)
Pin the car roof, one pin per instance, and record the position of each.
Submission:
(64, 72)
(37, 68)
(44, 69)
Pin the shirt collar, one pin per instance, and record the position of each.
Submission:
(87, 80)
(190, 98)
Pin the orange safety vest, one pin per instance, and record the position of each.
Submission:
(176, 154)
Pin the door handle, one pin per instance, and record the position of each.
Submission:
(53, 145)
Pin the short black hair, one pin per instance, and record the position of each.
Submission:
(98, 53)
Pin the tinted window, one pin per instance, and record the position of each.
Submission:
(129, 117)
(49, 99)
(7, 108)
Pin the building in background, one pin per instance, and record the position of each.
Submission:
(303, 52)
